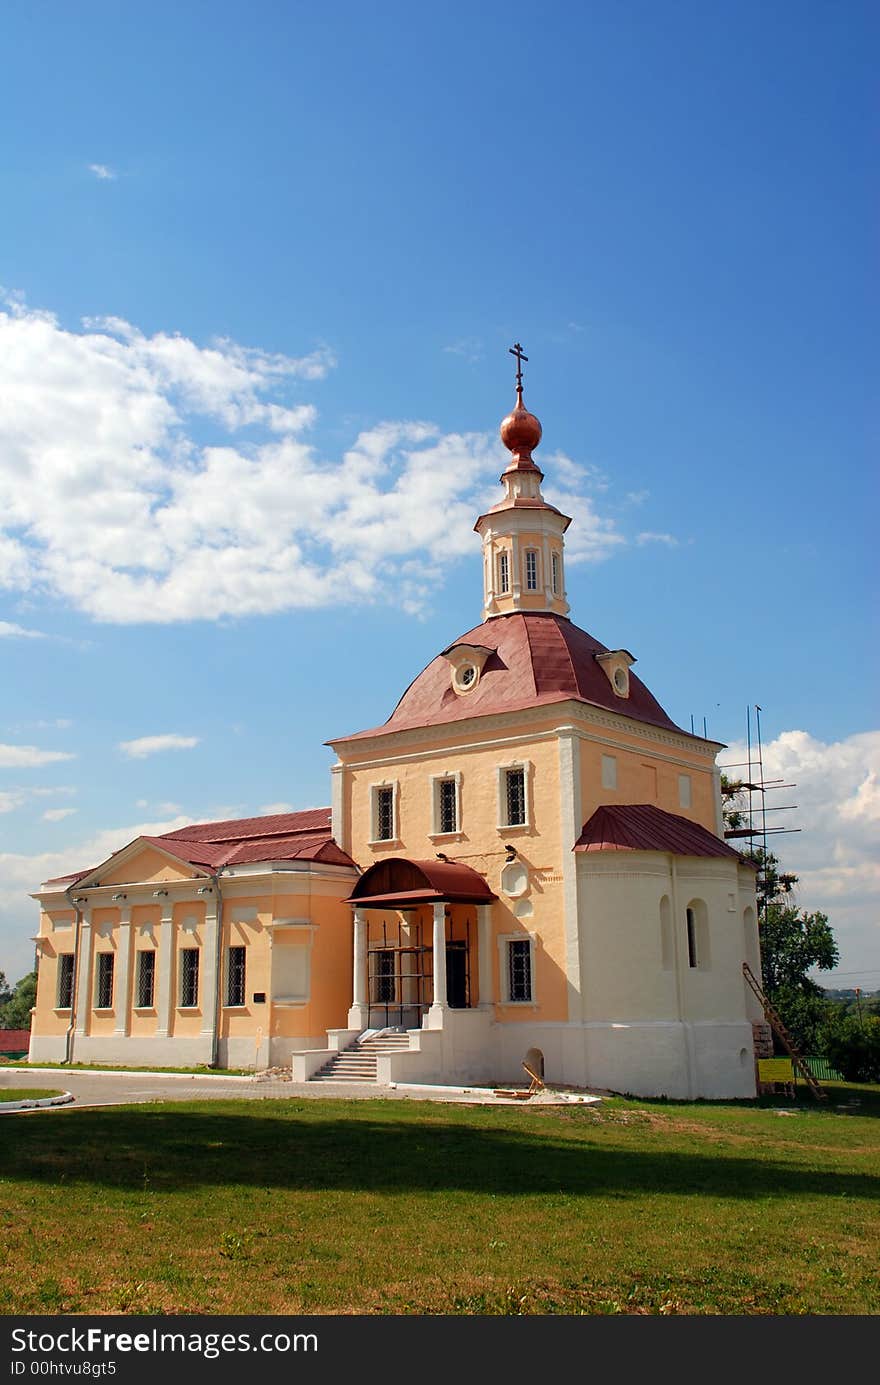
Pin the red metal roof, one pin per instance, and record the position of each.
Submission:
(644, 827)
(397, 881)
(301, 836)
(537, 658)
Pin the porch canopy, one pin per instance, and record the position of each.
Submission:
(397, 883)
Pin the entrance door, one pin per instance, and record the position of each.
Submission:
(456, 976)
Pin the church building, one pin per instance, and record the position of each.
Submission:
(525, 861)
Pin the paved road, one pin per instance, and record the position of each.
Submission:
(123, 1088)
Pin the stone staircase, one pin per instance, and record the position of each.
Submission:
(357, 1063)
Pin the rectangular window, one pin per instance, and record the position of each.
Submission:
(383, 977)
(503, 574)
(235, 975)
(684, 790)
(384, 813)
(65, 980)
(145, 984)
(531, 570)
(515, 797)
(554, 567)
(692, 938)
(609, 772)
(104, 981)
(447, 816)
(519, 969)
(189, 977)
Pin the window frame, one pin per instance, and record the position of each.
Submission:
(237, 975)
(555, 574)
(105, 979)
(503, 572)
(437, 783)
(531, 570)
(506, 944)
(139, 1002)
(184, 964)
(69, 964)
(526, 768)
(385, 786)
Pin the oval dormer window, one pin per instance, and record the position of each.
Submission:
(621, 681)
(465, 678)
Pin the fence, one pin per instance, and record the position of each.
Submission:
(822, 1070)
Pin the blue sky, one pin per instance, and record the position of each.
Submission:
(262, 266)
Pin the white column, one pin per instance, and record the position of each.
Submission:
(438, 1007)
(164, 997)
(208, 966)
(122, 1026)
(84, 975)
(359, 1014)
(571, 823)
(484, 955)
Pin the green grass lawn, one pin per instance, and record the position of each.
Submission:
(27, 1093)
(386, 1206)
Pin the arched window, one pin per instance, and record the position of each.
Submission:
(666, 949)
(531, 570)
(697, 928)
(554, 569)
(503, 573)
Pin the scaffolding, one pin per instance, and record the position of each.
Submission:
(751, 820)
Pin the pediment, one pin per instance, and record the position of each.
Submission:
(140, 862)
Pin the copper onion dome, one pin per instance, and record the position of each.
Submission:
(520, 430)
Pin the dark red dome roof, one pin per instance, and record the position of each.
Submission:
(536, 658)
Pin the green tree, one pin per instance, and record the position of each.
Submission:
(16, 1012)
(5, 992)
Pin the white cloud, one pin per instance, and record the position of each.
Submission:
(57, 814)
(254, 520)
(269, 808)
(143, 746)
(468, 347)
(10, 631)
(835, 854)
(648, 536)
(29, 756)
(103, 173)
(10, 799)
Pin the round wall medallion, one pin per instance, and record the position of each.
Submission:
(514, 879)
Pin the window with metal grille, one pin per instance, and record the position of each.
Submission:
(448, 806)
(104, 981)
(235, 975)
(65, 980)
(503, 573)
(384, 814)
(383, 977)
(519, 969)
(554, 567)
(145, 984)
(515, 793)
(189, 977)
(531, 570)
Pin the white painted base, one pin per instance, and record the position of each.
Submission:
(685, 1061)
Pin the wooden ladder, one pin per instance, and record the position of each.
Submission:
(775, 1022)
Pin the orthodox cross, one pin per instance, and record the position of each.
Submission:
(517, 351)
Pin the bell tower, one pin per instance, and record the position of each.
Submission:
(523, 544)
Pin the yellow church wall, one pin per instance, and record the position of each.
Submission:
(55, 934)
(647, 772)
(146, 866)
(481, 841)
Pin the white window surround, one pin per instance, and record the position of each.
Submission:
(684, 791)
(504, 969)
(503, 572)
(394, 839)
(436, 781)
(556, 570)
(292, 973)
(609, 771)
(501, 782)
